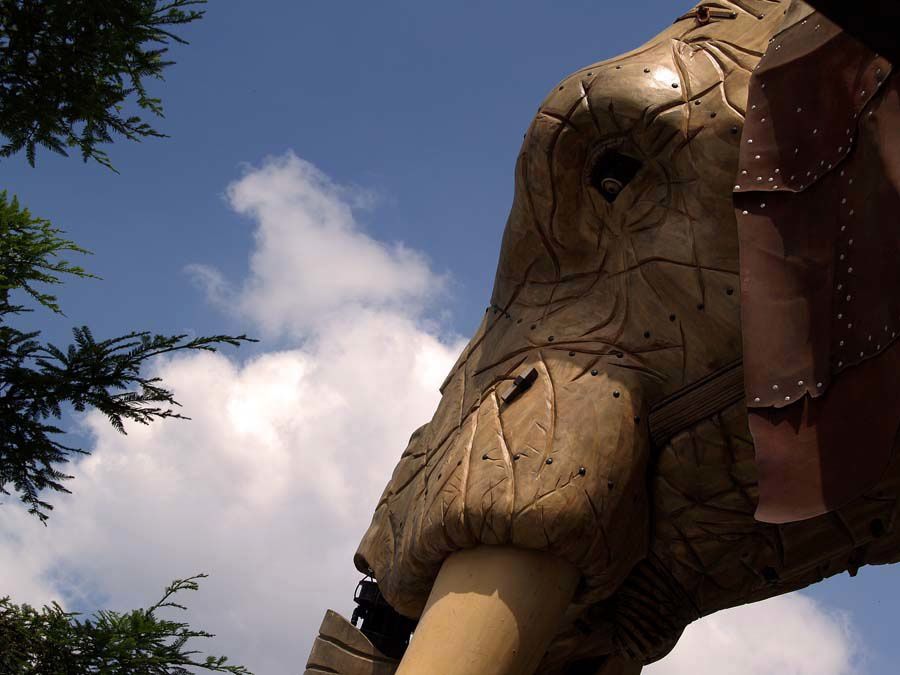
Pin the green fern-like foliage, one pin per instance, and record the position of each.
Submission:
(35, 380)
(51, 641)
(70, 68)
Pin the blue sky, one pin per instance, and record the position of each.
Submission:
(412, 111)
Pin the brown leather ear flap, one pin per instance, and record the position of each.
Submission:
(819, 454)
(816, 198)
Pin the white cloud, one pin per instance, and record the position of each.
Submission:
(788, 635)
(312, 261)
(272, 483)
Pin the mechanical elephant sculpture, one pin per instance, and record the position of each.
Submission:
(589, 484)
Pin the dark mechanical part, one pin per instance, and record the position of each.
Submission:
(520, 385)
(612, 172)
(388, 630)
(705, 13)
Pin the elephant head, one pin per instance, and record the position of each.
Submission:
(618, 285)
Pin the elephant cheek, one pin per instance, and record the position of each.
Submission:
(561, 469)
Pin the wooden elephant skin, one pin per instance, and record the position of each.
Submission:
(599, 415)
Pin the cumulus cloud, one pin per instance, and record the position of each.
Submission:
(312, 261)
(273, 482)
(789, 635)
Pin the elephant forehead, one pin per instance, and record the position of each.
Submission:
(676, 79)
(675, 108)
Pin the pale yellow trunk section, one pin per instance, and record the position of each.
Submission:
(492, 611)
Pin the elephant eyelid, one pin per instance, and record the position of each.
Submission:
(611, 172)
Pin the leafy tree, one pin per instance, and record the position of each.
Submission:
(83, 375)
(54, 642)
(70, 68)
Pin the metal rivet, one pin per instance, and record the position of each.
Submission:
(610, 484)
(841, 256)
(787, 398)
(756, 400)
(674, 85)
(841, 343)
(737, 187)
(763, 205)
(671, 317)
(799, 383)
(594, 372)
(484, 456)
(550, 339)
(840, 363)
(749, 140)
(734, 130)
(819, 385)
(844, 200)
(729, 291)
(549, 460)
(849, 242)
(582, 471)
(862, 354)
(646, 333)
(646, 70)
(745, 213)
(616, 394)
(815, 131)
(774, 387)
(759, 179)
(757, 156)
(771, 179)
(637, 419)
(533, 326)
(516, 457)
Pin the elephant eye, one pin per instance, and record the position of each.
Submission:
(612, 172)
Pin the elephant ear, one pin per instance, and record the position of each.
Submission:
(816, 198)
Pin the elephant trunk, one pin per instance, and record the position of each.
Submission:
(492, 609)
